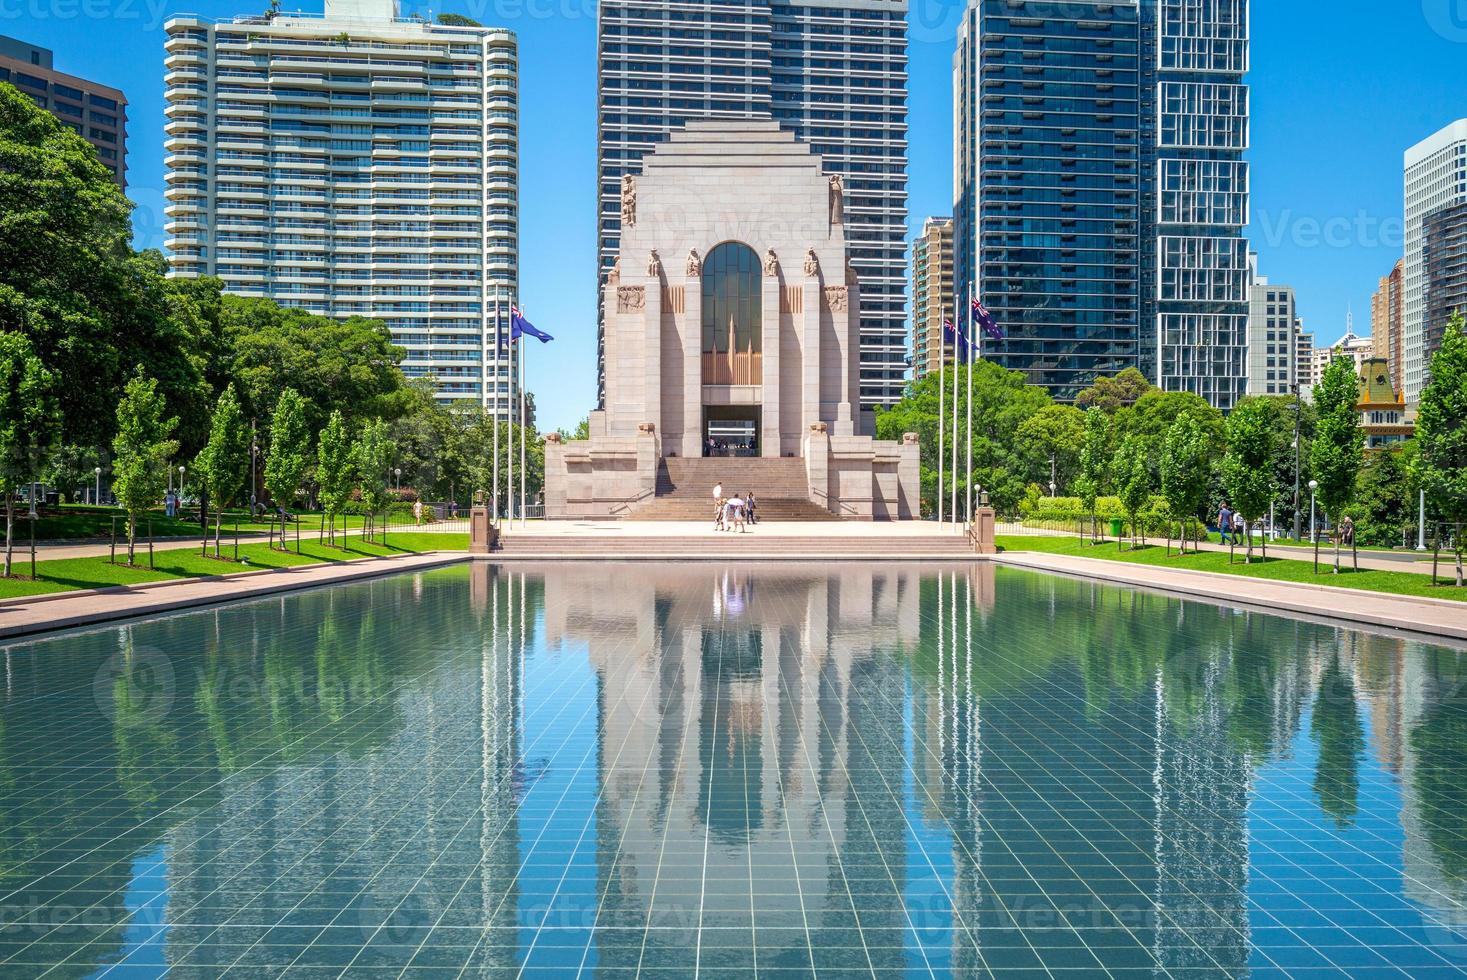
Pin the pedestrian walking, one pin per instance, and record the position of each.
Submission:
(1225, 522)
(736, 514)
(720, 507)
(418, 512)
(749, 509)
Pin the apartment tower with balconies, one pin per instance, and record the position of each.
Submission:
(355, 164)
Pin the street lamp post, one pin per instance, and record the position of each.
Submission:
(1313, 486)
(1052, 489)
(1421, 523)
(97, 493)
(397, 479)
(1298, 416)
(254, 455)
(180, 484)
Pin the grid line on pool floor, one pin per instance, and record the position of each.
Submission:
(727, 771)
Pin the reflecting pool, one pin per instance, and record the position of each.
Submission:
(704, 770)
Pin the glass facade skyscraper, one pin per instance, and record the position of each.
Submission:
(834, 75)
(1100, 192)
(359, 164)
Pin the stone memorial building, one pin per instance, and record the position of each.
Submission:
(732, 325)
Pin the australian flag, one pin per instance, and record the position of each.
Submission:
(963, 346)
(986, 322)
(519, 326)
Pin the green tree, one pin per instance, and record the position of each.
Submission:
(582, 431)
(140, 451)
(288, 454)
(91, 307)
(1055, 432)
(29, 423)
(1281, 411)
(1339, 442)
(71, 469)
(372, 457)
(348, 365)
(1246, 469)
(458, 20)
(1111, 394)
(1441, 433)
(1185, 471)
(1133, 475)
(334, 470)
(1094, 459)
(1385, 500)
(1001, 404)
(224, 461)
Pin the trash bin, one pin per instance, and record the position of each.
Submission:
(1117, 527)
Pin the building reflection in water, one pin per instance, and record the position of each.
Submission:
(715, 767)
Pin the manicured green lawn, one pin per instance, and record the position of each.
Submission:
(68, 574)
(81, 523)
(1277, 569)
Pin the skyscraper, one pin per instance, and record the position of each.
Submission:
(356, 164)
(834, 74)
(1273, 344)
(1100, 190)
(96, 113)
(1436, 178)
(932, 294)
(1387, 323)
(1444, 266)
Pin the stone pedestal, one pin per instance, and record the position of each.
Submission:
(482, 535)
(982, 533)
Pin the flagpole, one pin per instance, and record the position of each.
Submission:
(524, 516)
(509, 449)
(494, 413)
(957, 342)
(969, 480)
(941, 416)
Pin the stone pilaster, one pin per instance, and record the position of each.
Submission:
(769, 441)
(810, 381)
(652, 352)
(692, 367)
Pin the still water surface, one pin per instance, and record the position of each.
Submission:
(732, 771)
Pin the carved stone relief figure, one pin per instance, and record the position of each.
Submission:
(628, 201)
(771, 263)
(812, 263)
(837, 200)
(631, 299)
(695, 263)
(654, 264)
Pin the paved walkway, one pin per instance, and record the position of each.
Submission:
(35, 614)
(1442, 617)
(1379, 561)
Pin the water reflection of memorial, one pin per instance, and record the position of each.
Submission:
(892, 767)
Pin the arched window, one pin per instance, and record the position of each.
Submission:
(733, 319)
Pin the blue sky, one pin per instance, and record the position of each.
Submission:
(1337, 98)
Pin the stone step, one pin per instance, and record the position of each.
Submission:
(734, 544)
(770, 510)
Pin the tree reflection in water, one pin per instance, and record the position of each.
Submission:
(698, 767)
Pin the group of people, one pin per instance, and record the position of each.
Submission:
(1230, 525)
(735, 512)
(1233, 528)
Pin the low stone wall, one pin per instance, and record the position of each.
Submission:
(601, 477)
(864, 479)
